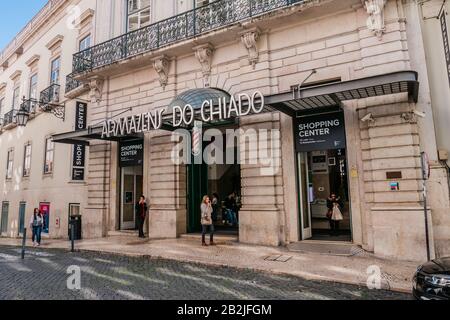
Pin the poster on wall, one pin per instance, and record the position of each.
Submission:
(45, 210)
(131, 153)
(324, 131)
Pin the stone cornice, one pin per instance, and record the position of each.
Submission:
(32, 60)
(88, 14)
(39, 20)
(15, 75)
(55, 42)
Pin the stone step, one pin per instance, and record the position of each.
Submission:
(217, 237)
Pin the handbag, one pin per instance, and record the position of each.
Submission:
(329, 213)
(337, 214)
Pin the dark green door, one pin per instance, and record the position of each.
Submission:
(197, 188)
(4, 219)
(22, 208)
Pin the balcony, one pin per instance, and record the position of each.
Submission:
(74, 88)
(31, 106)
(190, 24)
(9, 118)
(50, 97)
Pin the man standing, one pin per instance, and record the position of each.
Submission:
(141, 213)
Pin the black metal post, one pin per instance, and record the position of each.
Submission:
(425, 173)
(72, 236)
(425, 209)
(24, 240)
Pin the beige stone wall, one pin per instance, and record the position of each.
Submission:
(334, 40)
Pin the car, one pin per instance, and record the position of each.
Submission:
(432, 280)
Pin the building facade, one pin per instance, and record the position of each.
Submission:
(35, 172)
(320, 97)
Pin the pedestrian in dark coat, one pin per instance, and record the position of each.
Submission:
(141, 214)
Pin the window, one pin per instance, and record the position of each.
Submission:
(33, 87)
(49, 154)
(16, 98)
(9, 164)
(27, 160)
(138, 14)
(54, 75)
(85, 43)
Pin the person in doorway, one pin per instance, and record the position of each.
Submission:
(231, 208)
(141, 214)
(206, 221)
(215, 206)
(334, 214)
(36, 224)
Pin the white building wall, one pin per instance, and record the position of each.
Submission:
(57, 187)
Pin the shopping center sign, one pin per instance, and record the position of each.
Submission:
(218, 110)
(320, 132)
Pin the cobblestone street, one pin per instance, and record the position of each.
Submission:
(43, 275)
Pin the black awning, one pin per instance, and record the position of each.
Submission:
(291, 103)
(331, 95)
(84, 136)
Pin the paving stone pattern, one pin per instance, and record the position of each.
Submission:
(43, 275)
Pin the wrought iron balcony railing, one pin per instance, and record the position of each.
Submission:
(9, 118)
(31, 105)
(72, 84)
(50, 96)
(218, 14)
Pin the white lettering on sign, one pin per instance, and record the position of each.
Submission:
(319, 128)
(133, 124)
(219, 110)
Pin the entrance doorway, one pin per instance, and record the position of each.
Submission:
(321, 175)
(22, 211)
(218, 180)
(131, 190)
(4, 219)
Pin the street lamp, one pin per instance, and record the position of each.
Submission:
(48, 103)
(22, 117)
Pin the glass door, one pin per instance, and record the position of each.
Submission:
(304, 197)
(132, 185)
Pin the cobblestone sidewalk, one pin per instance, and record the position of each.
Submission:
(395, 275)
(43, 275)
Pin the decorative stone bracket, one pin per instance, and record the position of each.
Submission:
(204, 54)
(375, 22)
(161, 65)
(250, 38)
(96, 89)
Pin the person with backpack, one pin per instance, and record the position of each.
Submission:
(36, 224)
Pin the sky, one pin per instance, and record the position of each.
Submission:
(14, 15)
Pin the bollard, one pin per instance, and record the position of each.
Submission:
(24, 240)
(72, 236)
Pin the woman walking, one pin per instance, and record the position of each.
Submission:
(36, 223)
(206, 221)
(334, 213)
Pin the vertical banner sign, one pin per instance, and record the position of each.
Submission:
(320, 132)
(79, 150)
(443, 22)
